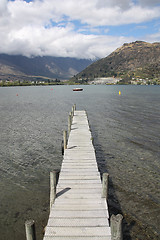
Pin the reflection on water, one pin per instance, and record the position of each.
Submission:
(126, 135)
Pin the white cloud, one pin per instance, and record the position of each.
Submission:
(153, 37)
(149, 2)
(48, 27)
(101, 12)
(3, 7)
(123, 4)
(58, 42)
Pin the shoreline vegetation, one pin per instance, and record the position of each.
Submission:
(28, 83)
(6, 83)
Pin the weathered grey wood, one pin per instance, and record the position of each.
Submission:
(81, 186)
(80, 171)
(53, 179)
(72, 111)
(72, 114)
(79, 195)
(65, 139)
(82, 201)
(79, 212)
(81, 190)
(78, 222)
(78, 238)
(105, 185)
(80, 175)
(78, 231)
(79, 181)
(80, 160)
(81, 178)
(68, 165)
(116, 227)
(79, 207)
(81, 155)
(30, 230)
(69, 123)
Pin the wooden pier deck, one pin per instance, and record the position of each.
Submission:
(79, 211)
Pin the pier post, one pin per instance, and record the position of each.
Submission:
(65, 139)
(62, 145)
(53, 180)
(116, 227)
(69, 123)
(30, 230)
(105, 185)
(72, 111)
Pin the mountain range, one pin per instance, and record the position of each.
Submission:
(16, 67)
(136, 60)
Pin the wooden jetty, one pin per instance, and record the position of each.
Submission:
(78, 206)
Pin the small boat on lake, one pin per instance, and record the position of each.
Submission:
(77, 89)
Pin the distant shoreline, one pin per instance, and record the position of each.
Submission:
(68, 82)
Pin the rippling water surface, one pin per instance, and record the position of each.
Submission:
(126, 131)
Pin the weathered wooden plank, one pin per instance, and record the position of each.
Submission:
(81, 128)
(77, 151)
(79, 214)
(78, 231)
(80, 161)
(70, 165)
(80, 149)
(81, 137)
(77, 238)
(80, 181)
(80, 166)
(79, 178)
(79, 173)
(80, 170)
(82, 201)
(78, 222)
(81, 186)
(81, 140)
(78, 207)
(80, 191)
(80, 153)
(79, 195)
(71, 141)
(78, 145)
(80, 158)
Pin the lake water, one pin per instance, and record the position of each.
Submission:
(126, 131)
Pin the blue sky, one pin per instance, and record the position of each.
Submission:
(76, 28)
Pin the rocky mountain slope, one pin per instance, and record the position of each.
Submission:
(132, 60)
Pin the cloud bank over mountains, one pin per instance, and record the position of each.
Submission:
(71, 28)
